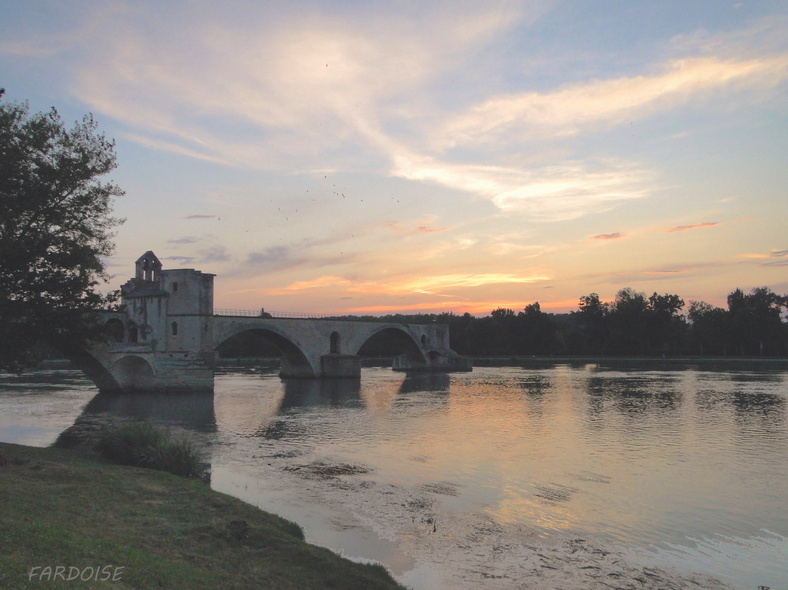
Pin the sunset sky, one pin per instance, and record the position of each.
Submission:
(378, 157)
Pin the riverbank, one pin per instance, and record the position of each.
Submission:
(705, 363)
(634, 362)
(129, 528)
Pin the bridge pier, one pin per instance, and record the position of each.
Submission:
(334, 366)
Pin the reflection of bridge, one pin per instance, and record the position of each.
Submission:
(166, 339)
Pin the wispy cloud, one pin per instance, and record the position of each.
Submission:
(272, 258)
(185, 240)
(318, 283)
(613, 236)
(603, 103)
(282, 88)
(424, 228)
(560, 192)
(676, 228)
(439, 283)
(429, 285)
(201, 217)
(457, 306)
(215, 253)
(780, 256)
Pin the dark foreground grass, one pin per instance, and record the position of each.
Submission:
(63, 508)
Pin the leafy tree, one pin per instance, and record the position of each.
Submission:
(506, 331)
(709, 328)
(628, 323)
(666, 326)
(592, 317)
(755, 319)
(537, 330)
(55, 227)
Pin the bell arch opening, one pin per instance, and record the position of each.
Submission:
(261, 343)
(133, 333)
(334, 343)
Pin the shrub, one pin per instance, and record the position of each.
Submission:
(146, 445)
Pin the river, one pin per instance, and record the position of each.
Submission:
(559, 477)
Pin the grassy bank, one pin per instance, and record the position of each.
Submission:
(63, 508)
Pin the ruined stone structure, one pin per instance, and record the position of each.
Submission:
(166, 337)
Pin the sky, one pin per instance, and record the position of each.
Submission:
(399, 157)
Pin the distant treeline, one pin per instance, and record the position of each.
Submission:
(633, 324)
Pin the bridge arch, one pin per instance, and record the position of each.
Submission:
(397, 340)
(295, 362)
(133, 373)
(94, 370)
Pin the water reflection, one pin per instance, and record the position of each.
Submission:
(425, 382)
(536, 385)
(632, 396)
(758, 405)
(310, 393)
(190, 410)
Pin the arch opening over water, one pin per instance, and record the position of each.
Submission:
(133, 373)
(263, 342)
(393, 342)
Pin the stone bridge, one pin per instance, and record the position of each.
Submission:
(166, 338)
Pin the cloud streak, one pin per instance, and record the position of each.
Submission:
(603, 103)
(428, 285)
(690, 227)
(551, 193)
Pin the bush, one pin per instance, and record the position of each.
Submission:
(145, 445)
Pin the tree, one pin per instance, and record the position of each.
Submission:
(592, 316)
(709, 331)
(55, 227)
(628, 323)
(536, 329)
(756, 324)
(666, 326)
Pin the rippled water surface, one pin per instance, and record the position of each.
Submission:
(451, 479)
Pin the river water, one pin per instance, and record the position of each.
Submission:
(562, 477)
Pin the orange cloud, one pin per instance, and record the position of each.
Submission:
(461, 307)
(676, 228)
(429, 284)
(421, 229)
(425, 285)
(318, 283)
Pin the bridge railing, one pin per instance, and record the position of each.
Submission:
(256, 313)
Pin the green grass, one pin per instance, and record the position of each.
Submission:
(64, 508)
(143, 444)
